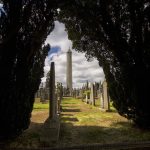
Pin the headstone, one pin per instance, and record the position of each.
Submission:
(51, 127)
(92, 97)
(86, 98)
(59, 97)
(61, 92)
(87, 85)
(105, 97)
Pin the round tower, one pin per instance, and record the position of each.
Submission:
(69, 72)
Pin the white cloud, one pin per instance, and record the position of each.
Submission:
(59, 37)
(82, 70)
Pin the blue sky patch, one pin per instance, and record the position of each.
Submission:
(53, 51)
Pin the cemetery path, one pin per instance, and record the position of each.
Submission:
(83, 126)
(39, 116)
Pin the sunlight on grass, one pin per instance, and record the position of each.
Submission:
(90, 125)
(39, 106)
(81, 124)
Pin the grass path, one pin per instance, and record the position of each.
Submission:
(84, 124)
(81, 124)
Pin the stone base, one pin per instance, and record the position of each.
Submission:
(50, 132)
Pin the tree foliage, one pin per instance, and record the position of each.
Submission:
(24, 27)
(117, 33)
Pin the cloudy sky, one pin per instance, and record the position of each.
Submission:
(82, 70)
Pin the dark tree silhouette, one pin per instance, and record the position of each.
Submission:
(24, 27)
(117, 33)
(47, 79)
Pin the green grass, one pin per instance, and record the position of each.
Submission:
(83, 123)
(40, 106)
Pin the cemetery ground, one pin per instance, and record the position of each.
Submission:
(81, 124)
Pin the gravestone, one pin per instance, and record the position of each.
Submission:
(92, 97)
(100, 94)
(61, 92)
(51, 126)
(105, 97)
(87, 85)
(86, 98)
(59, 97)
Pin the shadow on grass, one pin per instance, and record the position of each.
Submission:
(69, 103)
(82, 135)
(71, 135)
(67, 115)
(122, 123)
(30, 138)
(69, 119)
(70, 110)
(67, 98)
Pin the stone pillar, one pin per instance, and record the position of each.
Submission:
(101, 95)
(59, 97)
(52, 101)
(61, 92)
(69, 71)
(51, 128)
(87, 85)
(82, 94)
(86, 98)
(92, 97)
(105, 95)
(102, 101)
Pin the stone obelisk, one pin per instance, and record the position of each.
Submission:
(53, 101)
(69, 72)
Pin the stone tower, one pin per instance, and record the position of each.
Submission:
(69, 72)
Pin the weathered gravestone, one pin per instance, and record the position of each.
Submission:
(59, 97)
(86, 98)
(51, 126)
(92, 96)
(105, 97)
